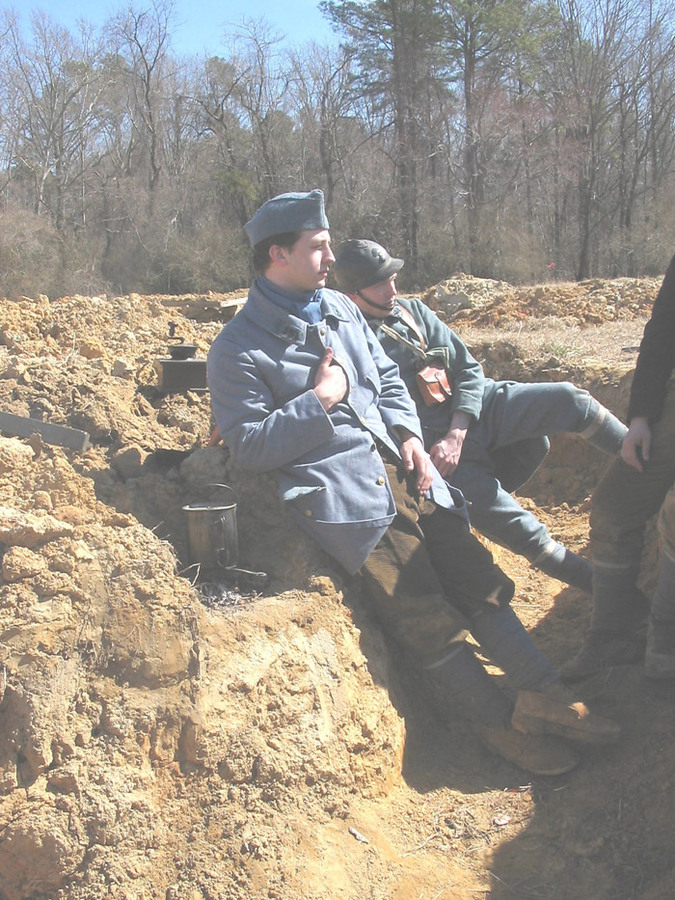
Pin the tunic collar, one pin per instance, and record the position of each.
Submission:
(272, 315)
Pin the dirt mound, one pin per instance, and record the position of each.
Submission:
(168, 737)
(485, 302)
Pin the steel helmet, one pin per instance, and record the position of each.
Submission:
(360, 264)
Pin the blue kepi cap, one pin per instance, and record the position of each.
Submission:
(287, 212)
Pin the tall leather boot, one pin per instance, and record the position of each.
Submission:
(660, 655)
(459, 683)
(559, 562)
(603, 430)
(617, 633)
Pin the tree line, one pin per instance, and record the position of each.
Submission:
(513, 139)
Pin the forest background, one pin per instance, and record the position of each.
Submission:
(523, 140)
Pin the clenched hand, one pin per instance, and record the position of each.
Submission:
(330, 381)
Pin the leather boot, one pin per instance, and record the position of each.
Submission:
(559, 562)
(618, 628)
(538, 754)
(554, 710)
(459, 683)
(601, 651)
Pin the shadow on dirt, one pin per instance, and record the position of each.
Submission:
(607, 831)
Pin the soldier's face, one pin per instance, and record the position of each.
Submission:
(378, 299)
(305, 265)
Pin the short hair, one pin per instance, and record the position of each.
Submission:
(261, 251)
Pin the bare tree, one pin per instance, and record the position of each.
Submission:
(56, 88)
(324, 103)
(142, 42)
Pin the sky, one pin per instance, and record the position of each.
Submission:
(199, 24)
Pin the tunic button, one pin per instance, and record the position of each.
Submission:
(308, 513)
(381, 479)
(323, 332)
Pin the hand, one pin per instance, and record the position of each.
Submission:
(416, 459)
(330, 381)
(637, 443)
(446, 453)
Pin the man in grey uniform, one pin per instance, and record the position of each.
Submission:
(485, 437)
(300, 387)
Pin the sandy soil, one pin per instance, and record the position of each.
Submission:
(166, 736)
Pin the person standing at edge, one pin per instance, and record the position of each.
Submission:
(300, 387)
(485, 437)
(628, 495)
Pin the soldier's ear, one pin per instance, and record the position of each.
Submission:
(278, 254)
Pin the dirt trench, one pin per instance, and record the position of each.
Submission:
(164, 737)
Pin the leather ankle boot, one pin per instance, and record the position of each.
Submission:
(601, 651)
(555, 710)
(618, 628)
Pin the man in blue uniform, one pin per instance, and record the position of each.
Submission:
(301, 388)
(485, 437)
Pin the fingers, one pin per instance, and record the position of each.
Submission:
(445, 462)
(634, 452)
(327, 358)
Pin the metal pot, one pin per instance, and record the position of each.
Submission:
(212, 530)
(182, 350)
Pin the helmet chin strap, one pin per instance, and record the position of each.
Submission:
(382, 306)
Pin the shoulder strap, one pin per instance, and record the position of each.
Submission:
(392, 333)
(409, 320)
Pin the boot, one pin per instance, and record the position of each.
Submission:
(601, 651)
(458, 682)
(560, 563)
(604, 430)
(538, 754)
(617, 634)
(660, 655)
(554, 710)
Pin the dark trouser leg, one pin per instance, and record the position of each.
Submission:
(660, 656)
(504, 639)
(420, 611)
(414, 604)
(459, 682)
(403, 586)
(482, 591)
(623, 502)
(499, 516)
